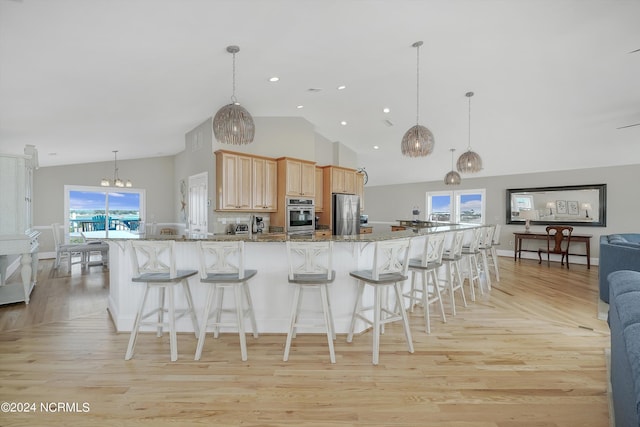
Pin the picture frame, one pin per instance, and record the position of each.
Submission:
(572, 208)
(561, 207)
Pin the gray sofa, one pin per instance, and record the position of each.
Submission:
(624, 322)
(617, 252)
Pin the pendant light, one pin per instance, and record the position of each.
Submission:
(469, 161)
(117, 182)
(453, 177)
(418, 140)
(232, 123)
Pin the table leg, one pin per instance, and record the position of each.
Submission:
(588, 244)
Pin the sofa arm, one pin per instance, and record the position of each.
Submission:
(614, 258)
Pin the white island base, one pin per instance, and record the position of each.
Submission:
(271, 293)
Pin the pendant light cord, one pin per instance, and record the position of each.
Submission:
(469, 95)
(233, 95)
(418, 84)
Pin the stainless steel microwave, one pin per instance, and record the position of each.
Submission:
(301, 216)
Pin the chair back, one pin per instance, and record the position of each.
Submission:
(455, 249)
(487, 238)
(472, 239)
(153, 257)
(310, 259)
(390, 257)
(58, 235)
(558, 234)
(221, 258)
(496, 235)
(433, 249)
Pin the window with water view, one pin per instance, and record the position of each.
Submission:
(464, 206)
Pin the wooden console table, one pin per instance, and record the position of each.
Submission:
(582, 238)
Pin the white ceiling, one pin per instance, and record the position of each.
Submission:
(553, 79)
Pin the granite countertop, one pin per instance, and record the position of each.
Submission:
(280, 237)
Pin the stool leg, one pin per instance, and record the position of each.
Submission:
(327, 321)
(247, 294)
(356, 309)
(161, 292)
(192, 311)
(136, 325)
(293, 318)
(436, 286)
(218, 312)
(240, 319)
(377, 306)
(405, 320)
(205, 320)
(494, 257)
(333, 326)
(425, 301)
(173, 341)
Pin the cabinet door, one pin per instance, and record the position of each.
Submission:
(350, 182)
(294, 177)
(337, 180)
(308, 179)
(235, 187)
(244, 183)
(319, 190)
(360, 189)
(264, 184)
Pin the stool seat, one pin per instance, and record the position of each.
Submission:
(165, 277)
(228, 277)
(382, 279)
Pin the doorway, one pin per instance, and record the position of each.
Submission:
(198, 203)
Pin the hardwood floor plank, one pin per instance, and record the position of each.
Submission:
(529, 353)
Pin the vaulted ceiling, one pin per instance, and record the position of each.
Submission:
(553, 79)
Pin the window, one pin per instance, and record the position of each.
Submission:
(100, 208)
(463, 206)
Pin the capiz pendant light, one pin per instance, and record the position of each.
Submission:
(418, 140)
(232, 123)
(453, 177)
(469, 161)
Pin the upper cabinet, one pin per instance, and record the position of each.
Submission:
(233, 181)
(343, 180)
(299, 177)
(265, 190)
(360, 189)
(319, 190)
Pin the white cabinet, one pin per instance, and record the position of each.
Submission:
(16, 213)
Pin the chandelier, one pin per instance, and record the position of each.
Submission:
(232, 123)
(418, 140)
(117, 182)
(453, 177)
(469, 161)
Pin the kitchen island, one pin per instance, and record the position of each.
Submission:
(271, 292)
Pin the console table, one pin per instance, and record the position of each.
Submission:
(580, 238)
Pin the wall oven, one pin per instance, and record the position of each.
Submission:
(301, 216)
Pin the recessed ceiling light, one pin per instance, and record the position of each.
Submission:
(375, 147)
(386, 110)
(341, 87)
(274, 79)
(343, 123)
(300, 106)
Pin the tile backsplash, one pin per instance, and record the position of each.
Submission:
(226, 221)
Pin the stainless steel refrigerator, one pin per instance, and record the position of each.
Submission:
(346, 214)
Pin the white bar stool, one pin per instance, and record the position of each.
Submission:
(310, 267)
(390, 266)
(426, 266)
(222, 266)
(154, 263)
(451, 259)
(485, 245)
(470, 253)
(493, 255)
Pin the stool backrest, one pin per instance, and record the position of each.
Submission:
(390, 256)
(455, 248)
(311, 258)
(433, 249)
(472, 238)
(221, 258)
(487, 240)
(149, 257)
(496, 235)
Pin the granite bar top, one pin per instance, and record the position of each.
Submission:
(281, 237)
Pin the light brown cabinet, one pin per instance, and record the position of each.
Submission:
(360, 189)
(299, 177)
(319, 190)
(366, 230)
(343, 180)
(264, 185)
(233, 181)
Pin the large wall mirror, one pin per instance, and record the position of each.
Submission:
(579, 205)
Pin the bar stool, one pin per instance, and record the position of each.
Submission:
(310, 267)
(470, 255)
(493, 255)
(154, 263)
(430, 260)
(222, 267)
(390, 265)
(485, 244)
(451, 259)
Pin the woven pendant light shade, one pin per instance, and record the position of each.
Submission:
(233, 124)
(452, 177)
(417, 141)
(469, 161)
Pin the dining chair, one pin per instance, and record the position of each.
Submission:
(68, 251)
(557, 234)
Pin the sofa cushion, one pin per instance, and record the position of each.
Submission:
(617, 238)
(627, 244)
(632, 341)
(628, 305)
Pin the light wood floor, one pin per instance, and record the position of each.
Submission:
(531, 353)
